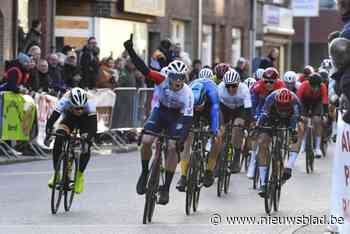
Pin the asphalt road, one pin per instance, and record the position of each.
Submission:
(110, 203)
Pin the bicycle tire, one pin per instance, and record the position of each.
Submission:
(268, 199)
(278, 185)
(197, 190)
(309, 152)
(256, 179)
(221, 171)
(69, 191)
(57, 187)
(227, 177)
(190, 185)
(151, 190)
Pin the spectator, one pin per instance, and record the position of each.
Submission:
(107, 75)
(127, 77)
(35, 53)
(43, 75)
(55, 73)
(119, 64)
(178, 53)
(89, 63)
(162, 56)
(273, 56)
(71, 73)
(17, 74)
(140, 79)
(196, 67)
(241, 68)
(61, 59)
(33, 36)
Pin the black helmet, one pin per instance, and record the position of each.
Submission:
(315, 80)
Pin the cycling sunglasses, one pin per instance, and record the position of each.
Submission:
(228, 86)
(79, 108)
(175, 76)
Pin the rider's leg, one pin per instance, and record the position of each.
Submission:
(264, 141)
(317, 123)
(184, 162)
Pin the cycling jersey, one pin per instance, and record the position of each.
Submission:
(260, 92)
(242, 98)
(309, 96)
(211, 92)
(271, 114)
(65, 106)
(216, 79)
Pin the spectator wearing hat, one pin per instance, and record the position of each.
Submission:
(241, 68)
(71, 72)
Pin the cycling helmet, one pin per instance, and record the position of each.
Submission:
(232, 77)
(221, 69)
(250, 82)
(283, 97)
(290, 77)
(327, 64)
(78, 97)
(177, 67)
(198, 91)
(324, 75)
(271, 73)
(308, 70)
(259, 73)
(164, 71)
(205, 73)
(315, 80)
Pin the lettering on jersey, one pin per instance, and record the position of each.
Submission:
(347, 174)
(346, 206)
(345, 140)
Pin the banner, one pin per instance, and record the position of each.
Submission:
(340, 194)
(18, 116)
(45, 105)
(104, 100)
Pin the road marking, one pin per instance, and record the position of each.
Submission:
(50, 172)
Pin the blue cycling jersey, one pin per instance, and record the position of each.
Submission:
(213, 96)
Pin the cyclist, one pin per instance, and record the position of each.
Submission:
(282, 108)
(219, 72)
(308, 70)
(235, 105)
(250, 82)
(206, 105)
(173, 114)
(290, 79)
(314, 99)
(264, 87)
(78, 112)
(258, 75)
(205, 73)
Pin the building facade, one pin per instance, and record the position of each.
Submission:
(327, 22)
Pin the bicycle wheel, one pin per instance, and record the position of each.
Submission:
(191, 174)
(151, 191)
(309, 152)
(198, 184)
(245, 158)
(70, 176)
(227, 176)
(58, 186)
(278, 185)
(268, 199)
(221, 174)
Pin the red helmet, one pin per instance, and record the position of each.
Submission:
(271, 73)
(221, 69)
(283, 98)
(308, 70)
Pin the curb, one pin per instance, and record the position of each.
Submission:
(24, 159)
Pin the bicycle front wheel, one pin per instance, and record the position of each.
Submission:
(58, 185)
(191, 174)
(221, 174)
(70, 174)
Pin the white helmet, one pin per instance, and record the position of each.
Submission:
(259, 73)
(205, 73)
(177, 67)
(231, 77)
(290, 77)
(78, 97)
(164, 71)
(250, 82)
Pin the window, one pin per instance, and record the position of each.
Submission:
(236, 44)
(327, 4)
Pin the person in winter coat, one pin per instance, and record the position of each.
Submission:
(89, 63)
(33, 36)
